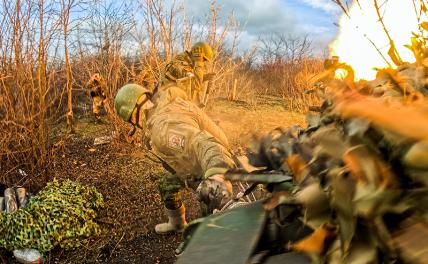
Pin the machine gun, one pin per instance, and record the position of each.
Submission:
(248, 232)
(260, 230)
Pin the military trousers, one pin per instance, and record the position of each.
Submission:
(170, 188)
(97, 104)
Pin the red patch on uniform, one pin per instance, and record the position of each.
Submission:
(176, 141)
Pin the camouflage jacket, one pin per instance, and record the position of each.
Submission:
(184, 137)
(97, 86)
(184, 73)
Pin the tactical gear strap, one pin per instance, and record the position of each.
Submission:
(137, 108)
(132, 131)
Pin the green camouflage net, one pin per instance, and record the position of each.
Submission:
(61, 214)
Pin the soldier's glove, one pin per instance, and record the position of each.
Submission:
(209, 76)
(215, 192)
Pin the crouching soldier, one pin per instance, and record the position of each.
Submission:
(188, 71)
(193, 148)
(97, 89)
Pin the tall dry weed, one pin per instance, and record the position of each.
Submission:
(27, 89)
(48, 53)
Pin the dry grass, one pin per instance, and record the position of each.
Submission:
(289, 80)
(127, 177)
(241, 120)
(47, 57)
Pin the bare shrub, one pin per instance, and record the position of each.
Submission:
(29, 34)
(110, 41)
(285, 69)
(48, 54)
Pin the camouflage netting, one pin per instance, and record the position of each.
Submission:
(61, 214)
(360, 168)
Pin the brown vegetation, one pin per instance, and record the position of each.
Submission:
(127, 177)
(49, 50)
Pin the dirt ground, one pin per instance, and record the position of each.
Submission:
(127, 177)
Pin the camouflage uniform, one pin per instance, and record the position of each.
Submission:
(186, 74)
(185, 138)
(98, 88)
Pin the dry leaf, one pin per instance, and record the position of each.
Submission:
(276, 199)
(341, 201)
(423, 8)
(329, 141)
(417, 156)
(313, 199)
(395, 57)
(366, 167)
(318, 242)
(411, 241)
(406, 120)
(297, 165)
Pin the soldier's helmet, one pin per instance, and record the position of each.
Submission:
(204, 50)
(126, 99)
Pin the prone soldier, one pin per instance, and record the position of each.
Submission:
(192, 147)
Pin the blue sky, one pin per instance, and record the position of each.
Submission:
(314, 18)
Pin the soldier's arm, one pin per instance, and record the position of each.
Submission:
(207, 124)
(212, 156)
(199, 71)
(168, 95)
(213, 191)
(178, 68)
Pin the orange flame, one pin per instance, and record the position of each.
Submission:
(362, 41)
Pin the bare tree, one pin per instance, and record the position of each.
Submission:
(107, 26)
(279, 47)
(285, 65)
(29, 37)
(66, 6)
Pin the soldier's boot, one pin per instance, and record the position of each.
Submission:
(176, 221)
